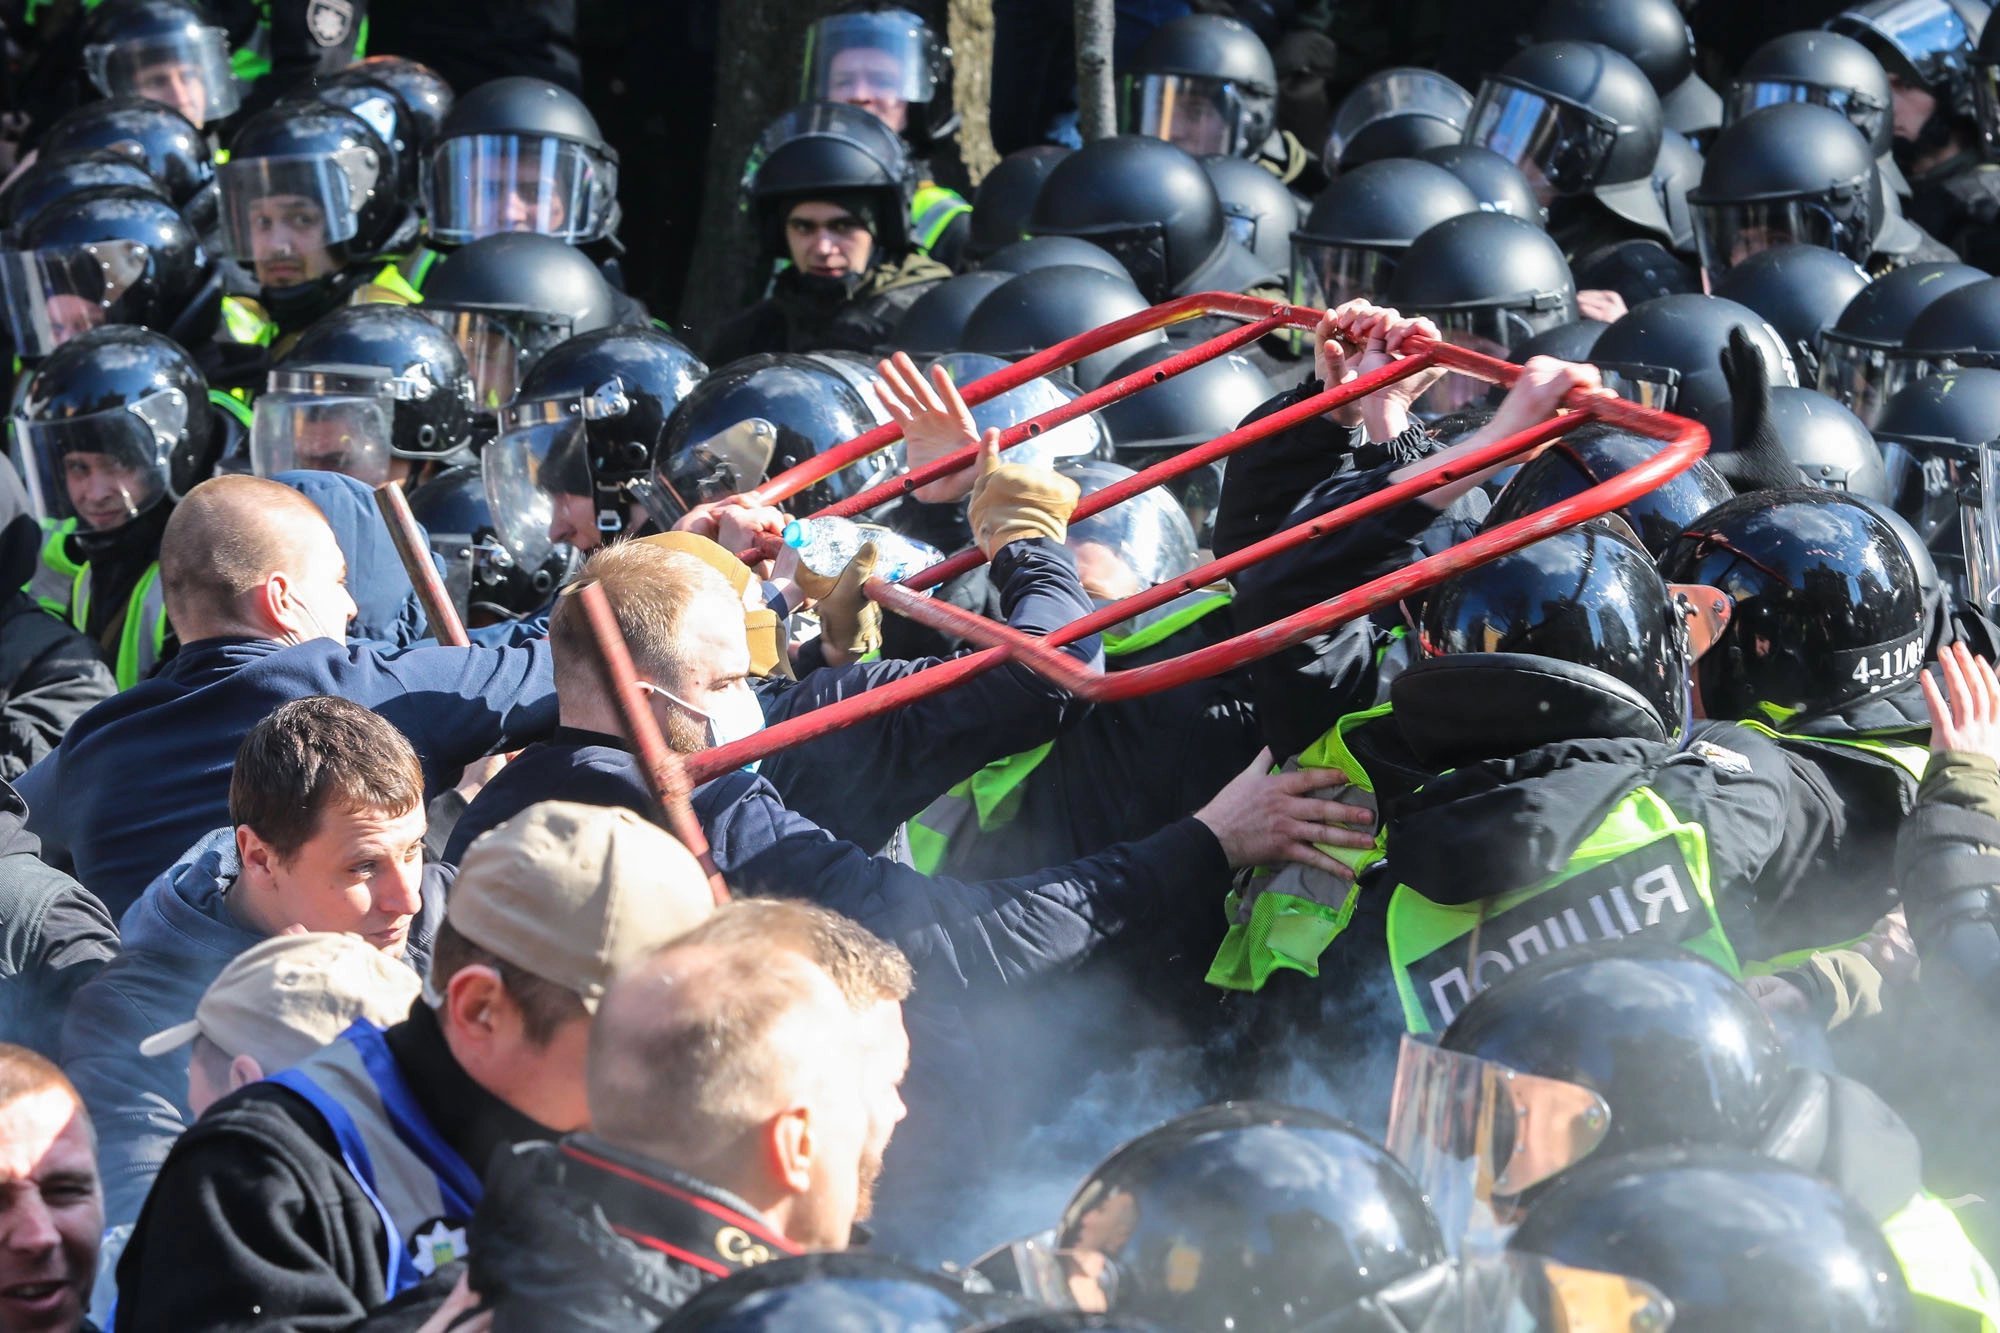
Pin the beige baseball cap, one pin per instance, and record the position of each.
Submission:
(284, 998)
(572, 893)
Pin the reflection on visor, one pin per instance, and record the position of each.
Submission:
(500, 346)
(1561, 148)
(1863, 377)
(186, 70)
(1726, 234)
(483, 184)
(1490, 330)
(294, 205)
(1921, 29)
(1515, 1292)
(52, 295)
(1392, 93)
(1198, 115)
(1865, 113)
(105, 468)
(1648, 386)
(1476, 1134)
(1327, 275)
(538, 453)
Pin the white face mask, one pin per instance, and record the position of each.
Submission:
(737, 716)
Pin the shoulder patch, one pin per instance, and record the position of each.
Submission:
(329, 21)
(1729, 761)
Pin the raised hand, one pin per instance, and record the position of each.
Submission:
(935, 422)
(1965, 714)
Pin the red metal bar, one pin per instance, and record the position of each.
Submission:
(438, 610)
(661, 766)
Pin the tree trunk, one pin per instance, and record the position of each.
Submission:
(971, 27)
(1097, 111)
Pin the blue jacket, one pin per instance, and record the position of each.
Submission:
(388, 615)
(178, 938)
(144, 774)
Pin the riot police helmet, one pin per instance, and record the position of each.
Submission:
(1138, 543)
(107, 255)
(830, 151)
(1204, 83)
(935, 321)
(808, 1293)
(587, 422)
(1787, 173)
(1005, 197)
(487, 579)
(1667, 352)
(1190, 408)
(1861, 359)
(307, 190)
(164, 51)
(1034, 311)
(1653, 35)
(520, 154)
(1082, 437)
(1922, 42)
(1800, 290)
(1025, 256)
(1959, 330)
(1260, 211)
(424, 92)
(1564, 342)
(883, 58)
(1359, 228)
(52, 179)
(1676, 175)
(1595, 453)
(1727, 1239)
(111, 424)
(1821, 438)
(1495, 182)
(379, 104)
(1825, 605)
(1397, 112)
(1932, 435)
(506, 300)
(154, 135)
(1820, 67)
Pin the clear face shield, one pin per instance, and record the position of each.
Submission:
(1923, 32)
(1726, 234)
(186, 70)
(1326, 274)
(1492, 330)
(483, 184)
(103, 469)
(1198, 115)
(1399, 92)
(1864, 376)
(1938, 486)
(880, 62)
(1137, 544)
(1084, 437)
(287, 217)
(1477, 1135)
(52, 295)
(501, 346)
(325, 420)
(1560, 148)
(1862, 111)
(541, 453)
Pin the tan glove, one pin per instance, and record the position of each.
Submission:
(1011, 501)
(850, 625)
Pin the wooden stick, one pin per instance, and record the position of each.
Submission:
(438, 610)
(662, 768)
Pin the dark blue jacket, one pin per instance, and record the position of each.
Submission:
(387, 613)
(144, 774)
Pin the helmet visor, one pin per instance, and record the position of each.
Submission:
(1726, 234)
(1084, 437)
(186, 70)
(1863, 376)
(1325, 274)
(1476, 1134)
(1133, 546)
(880, 62)
(483, 184)
(500, 346)
(1922, 32)
(106, 468)
(1401, 92)
(1526, 1293)
(1199, 115)
(52, 295)
(1492, 330)
(284, 215)
(540, 453)
(1863, 111)
(324, 421)
(1560, 148)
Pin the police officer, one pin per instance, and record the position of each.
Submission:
(830, 194)
(1930, 434)
(1001, 204)
(1861, 361)
(1397, 112)
(52, 177)
(161, 50)
(1591, 454)
(1360, 226)
(884, 59)
(1262, 211)
(1653, 35)
(164, 141)
(1799, 290)
(1207, 84)
(112, 429)
(1040, 308)
(487, 581)
(1667, 352)
(1832, 71)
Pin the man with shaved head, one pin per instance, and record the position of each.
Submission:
(255, 586)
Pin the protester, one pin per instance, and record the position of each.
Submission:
(51, 1210)
(58, 935)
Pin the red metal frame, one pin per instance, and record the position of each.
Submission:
(1685, 440)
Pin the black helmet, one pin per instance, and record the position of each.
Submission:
(1152, 206)
(1495, 182)
(1395, 113)
(358, 90)
(1364, 221)
(1204, 83)
(587, 420)
(1259, 210)
(1728, 1239)
(1490, 282)
(1193, 407)
(1594, 453)
(487, 581)
(1960, 329)
(1564, 342)
(1787, 172)
(935, 321)
(1579, 119)
(810, 1292)
(424, 391)
(133, 400)
(881, 57)
(162, 50)
(754, 418)
(1667, 352)
(1932, 433)
(425, 94)
(54, 178)
(1037, 310)
(1653, 35)
(1822, 67)
(159, 137)
(1248, 1215)
(1922, 43)
(1085, 437)
(520, 154)
(1800, 290)
(1001, 204)
(1573, 637)
(1146, 539)
(507, 299)
(336, 167)
(830, 151)
(1823, 440)
(1861, 358)
(110, 255)
(1050, 251)
(1826, 605)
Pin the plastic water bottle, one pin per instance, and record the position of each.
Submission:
(825, 545)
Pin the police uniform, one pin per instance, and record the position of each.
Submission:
(805, 314)
(940, 223)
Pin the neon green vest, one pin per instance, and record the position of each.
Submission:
(1940, 1261)
(932, 209)
(252, 61)
(144, 636)
(244, 321)
(1644, 870)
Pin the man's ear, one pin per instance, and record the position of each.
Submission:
(269, 606)
(789, 1146)
(258, 858)
(476, 1005)
(244, 1069)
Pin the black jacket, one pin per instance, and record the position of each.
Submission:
(254, 1222)
(54, 935)
(804, 314)
(49, 674)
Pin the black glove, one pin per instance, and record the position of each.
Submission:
(1757, 460)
